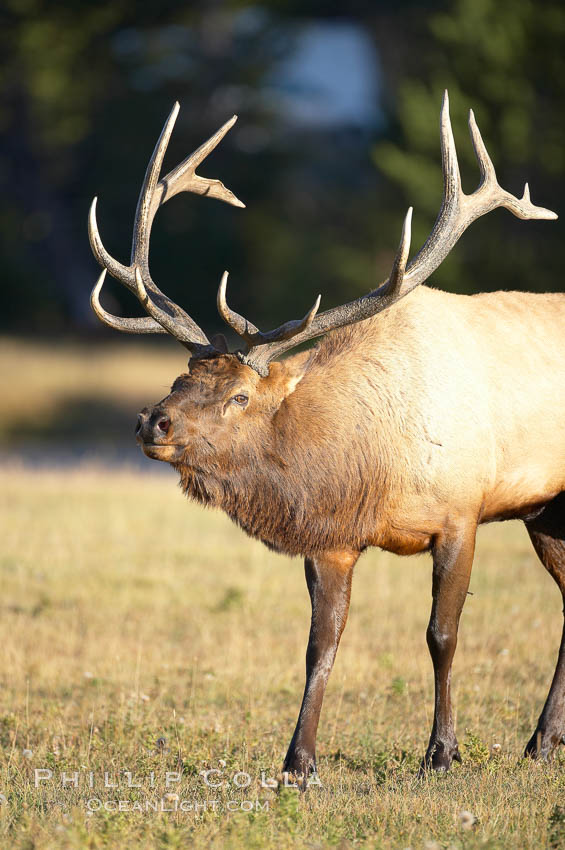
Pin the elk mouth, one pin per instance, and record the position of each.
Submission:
(167, 452)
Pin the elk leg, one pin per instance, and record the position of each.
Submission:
(453, 559)
(328, 577)
(547, 533)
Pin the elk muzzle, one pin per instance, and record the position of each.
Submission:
(155, 434)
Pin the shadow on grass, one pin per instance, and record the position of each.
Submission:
(381, 763)
(76, 418)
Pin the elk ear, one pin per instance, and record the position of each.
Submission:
(296, 364)
(220, 342)
(287, 374)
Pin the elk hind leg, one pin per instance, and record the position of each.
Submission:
(453, 558)
(547, 533)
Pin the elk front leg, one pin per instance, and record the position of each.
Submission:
(328, 577)
(453, 559)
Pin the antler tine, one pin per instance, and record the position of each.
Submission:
(183, 178)
(396, 278)
(238, 323)
(491, 193)
(488, 174)
(148, 202)
(154, 192)
(122, 273)
(450, 166)
(142, 325)
(250, 334)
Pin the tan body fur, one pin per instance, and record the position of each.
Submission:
(441, 407)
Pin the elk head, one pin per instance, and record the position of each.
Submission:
(215, 414)
(226, 402)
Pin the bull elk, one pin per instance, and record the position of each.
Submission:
(411, 422)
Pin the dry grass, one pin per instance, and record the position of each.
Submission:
(129, 615)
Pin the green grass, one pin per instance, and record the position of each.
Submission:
(129, 616)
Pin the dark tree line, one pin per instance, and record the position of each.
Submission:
(86, 86)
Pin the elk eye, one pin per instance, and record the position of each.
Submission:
(240, 399)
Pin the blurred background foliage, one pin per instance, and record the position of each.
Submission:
(338, 109)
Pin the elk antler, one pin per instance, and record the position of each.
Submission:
(457, 212)
(164, 315)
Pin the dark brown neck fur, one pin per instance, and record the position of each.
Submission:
(312, 480)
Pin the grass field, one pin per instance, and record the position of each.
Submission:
(130, 616)
(144, 640)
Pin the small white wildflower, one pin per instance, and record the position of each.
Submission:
(27, 754)
(503, 651)
(496, 749)
(88, 675)
(144, 697)
(467, 820)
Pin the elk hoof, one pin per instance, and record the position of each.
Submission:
(297, 769)
(439, 758)
(542, 744)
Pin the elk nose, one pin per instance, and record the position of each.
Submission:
(152, 425)
(141, 420)
(164, 424)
